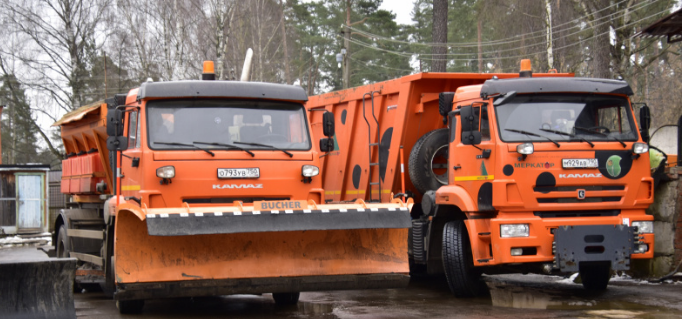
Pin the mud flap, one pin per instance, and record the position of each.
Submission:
(277, 221)
(576, 244)
(37, 289)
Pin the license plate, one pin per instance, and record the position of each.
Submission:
(238, 173)
(580, 163)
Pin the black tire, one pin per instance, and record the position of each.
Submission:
(129, 306)
(286, 298)
(463, 278)
(430, 149)
(595, 276)
(63, 247)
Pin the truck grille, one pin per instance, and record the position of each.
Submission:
(577, 213)
(575, 200)
(547, 189)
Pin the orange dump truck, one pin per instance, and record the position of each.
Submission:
(509, 172)
(193, 188)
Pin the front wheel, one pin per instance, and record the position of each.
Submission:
(595, 276)
(463, 278)
(286, 298)
(129, 306)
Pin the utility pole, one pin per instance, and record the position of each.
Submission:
(550, 54)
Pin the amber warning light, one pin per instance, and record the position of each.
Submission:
(209, 71)
(526, 71)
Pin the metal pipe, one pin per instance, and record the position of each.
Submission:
(246, 70)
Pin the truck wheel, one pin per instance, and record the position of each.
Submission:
(129, 306)
(64, 251)
(463, 278)
(428, 164)
(595, 276)
(286, 298)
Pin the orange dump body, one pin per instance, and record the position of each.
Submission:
(486, 191)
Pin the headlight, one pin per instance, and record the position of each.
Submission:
(640, 148)
(644, 227)
(309, 170)
(514, 230)
(525, 148)
(165, 172)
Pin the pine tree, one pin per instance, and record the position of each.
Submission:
(19, 141)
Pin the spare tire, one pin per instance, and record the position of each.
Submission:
(428, 164)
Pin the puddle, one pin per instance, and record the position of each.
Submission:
(315, 309)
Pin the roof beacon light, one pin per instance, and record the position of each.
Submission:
(209, 71)
(526, 71)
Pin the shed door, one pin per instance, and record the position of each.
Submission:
(29, 201)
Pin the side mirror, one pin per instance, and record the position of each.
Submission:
(645, 122)
(468, 117)
(115, 122)
(328, 124)
(326, 144)
(471, 137)
(117, 143)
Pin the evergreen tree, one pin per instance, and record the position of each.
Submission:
(19, 142)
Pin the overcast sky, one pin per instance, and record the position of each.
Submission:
(401, 8)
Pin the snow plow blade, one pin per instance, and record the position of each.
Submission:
(37, 288)
(233, 249)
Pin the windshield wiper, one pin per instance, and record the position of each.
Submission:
(185, 144)
(227, 145)
(266, 145)
(589, 130)
(600, 133)
(532, 134)
(619, 140)
(567, 134)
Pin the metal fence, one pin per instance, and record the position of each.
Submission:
(57, 199)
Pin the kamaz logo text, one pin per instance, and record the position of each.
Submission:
(237, 186)
(580, 175)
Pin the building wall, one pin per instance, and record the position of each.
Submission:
(666, 210)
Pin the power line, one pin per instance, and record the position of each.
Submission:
(512, 49)
(556, 29)
(410, 54)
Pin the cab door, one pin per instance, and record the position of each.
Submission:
(472, 159)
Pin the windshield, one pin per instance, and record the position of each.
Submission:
(213, 124)
(567, 117)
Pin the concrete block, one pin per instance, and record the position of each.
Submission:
(661, 266)
(665, 199)
(664, 236)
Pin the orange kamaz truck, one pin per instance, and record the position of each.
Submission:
(510, 172)
(194, 188)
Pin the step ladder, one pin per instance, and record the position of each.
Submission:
(373, 146)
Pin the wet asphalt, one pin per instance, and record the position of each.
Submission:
(511, 296)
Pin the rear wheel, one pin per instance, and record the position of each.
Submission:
(463, 278)
(286, 298)
(129, 306)
(64, 251)
(428, 163)
(595, 276)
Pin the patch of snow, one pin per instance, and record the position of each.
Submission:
(569, 280)
(17, 241)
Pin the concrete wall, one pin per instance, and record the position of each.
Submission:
(666, 210)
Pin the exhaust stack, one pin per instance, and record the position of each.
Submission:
(246, 70)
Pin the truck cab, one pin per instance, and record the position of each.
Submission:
(546, 175)
(203, 143)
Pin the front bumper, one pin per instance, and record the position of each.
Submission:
(540, 241)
